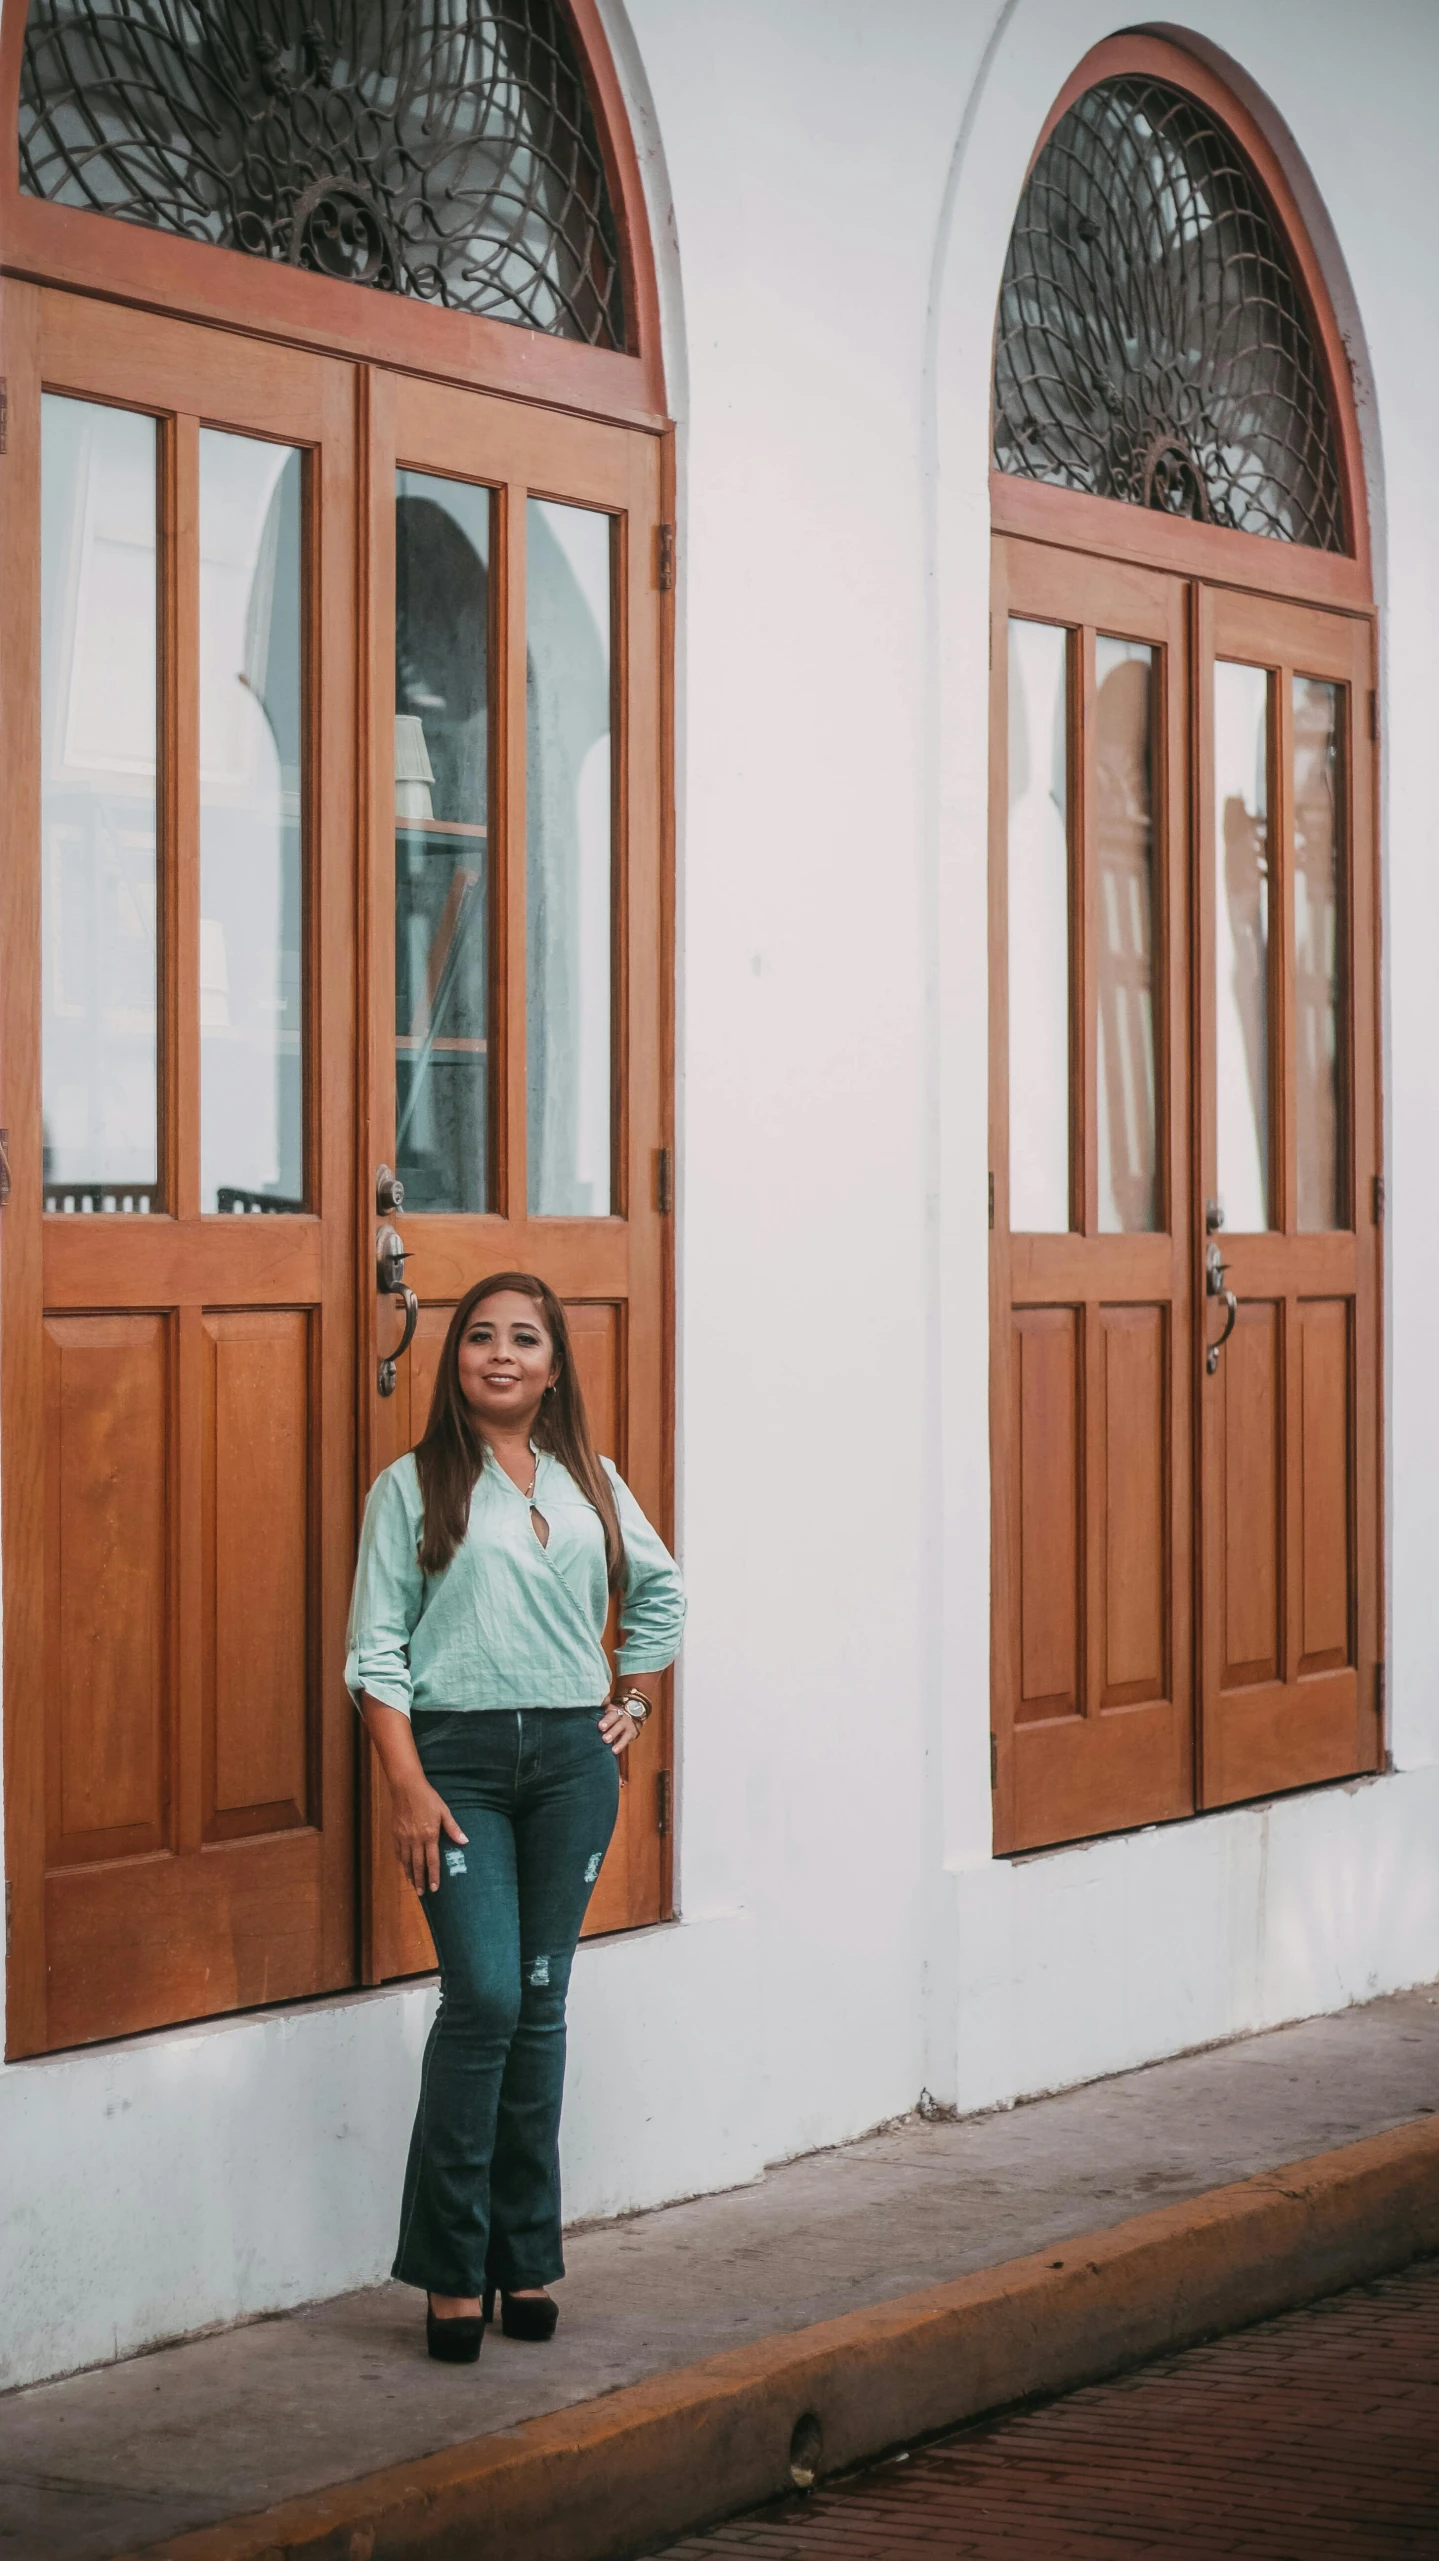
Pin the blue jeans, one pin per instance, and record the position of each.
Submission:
(536, 1790)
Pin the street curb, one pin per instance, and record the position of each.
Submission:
(655, 2459)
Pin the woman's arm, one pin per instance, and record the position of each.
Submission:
(652, 1609)
(388, 1600)
(419, 1813)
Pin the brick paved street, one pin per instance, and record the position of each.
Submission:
(1309, 2437)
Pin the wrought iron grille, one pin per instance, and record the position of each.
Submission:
(439, 148)
(1153, 342)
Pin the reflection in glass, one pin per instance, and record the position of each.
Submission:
(1038, 930)
(1124, 960)
(252, 1143)
(97, 683)
(1318, 956)
(568, 838)
(1241, 943)
(442, 865)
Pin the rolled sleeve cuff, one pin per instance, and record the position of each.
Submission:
(389, 1693)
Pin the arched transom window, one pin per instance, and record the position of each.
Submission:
(444, 149)
(1154, 343)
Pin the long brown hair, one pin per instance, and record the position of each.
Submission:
(450, 1456)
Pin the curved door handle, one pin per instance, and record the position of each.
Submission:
(1214, 1287)
(406, 1299)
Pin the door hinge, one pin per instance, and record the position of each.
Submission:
(1378, 1200)
(9, 1902)
(664, 558)
(1373, 714)
(991, 1200)
(664, 1181)
(4, 1167)
(993, 1761)
(4, 415)
(663, 1801)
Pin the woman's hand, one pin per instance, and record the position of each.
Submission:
(418, 1812)
(618, 1727)
(419, 1815)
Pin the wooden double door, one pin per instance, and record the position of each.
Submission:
(335, 972)
(1185, 1196)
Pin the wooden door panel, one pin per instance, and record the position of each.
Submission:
(611, 1270)
(108, 1524)
(1134, 1539)
(1047, 1371)
(1090, 1405)
(1291, 1509)
(173, 1937)
(193, 1452)
(1324, 1476)
(449, 1253)
(597, 1337)
(258, 1571)
(1281, 1735)
(1251, 1402)
(1082, 1776)
(235, 1262)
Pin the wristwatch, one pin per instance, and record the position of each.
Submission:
(635, 1705)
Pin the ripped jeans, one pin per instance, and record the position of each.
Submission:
(537, 1791)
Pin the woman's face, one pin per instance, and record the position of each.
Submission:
(507, 1360)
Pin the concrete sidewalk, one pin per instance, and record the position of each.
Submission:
(132, 2456)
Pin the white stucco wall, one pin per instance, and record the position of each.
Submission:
(832, 189)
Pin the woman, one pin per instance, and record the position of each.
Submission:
(487, 1561)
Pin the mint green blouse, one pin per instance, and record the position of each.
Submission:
(509, 1623)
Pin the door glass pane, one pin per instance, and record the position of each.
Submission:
(442, 860)
(1124, 970)
(1038, 929)
(97, 689)
(252, 1143)
(1241, 943)
(1318, 955)
(568, 860)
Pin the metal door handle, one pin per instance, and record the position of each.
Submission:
(390, 1259)
(1214, 1288)
(406, 1299)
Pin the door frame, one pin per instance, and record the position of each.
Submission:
(1353, 1740)
(128, 267)
(1210, 557)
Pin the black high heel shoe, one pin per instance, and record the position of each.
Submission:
(457, 2341)
(523, 2316)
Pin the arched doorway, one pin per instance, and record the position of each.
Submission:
(1184, 1061)
(336, 915)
